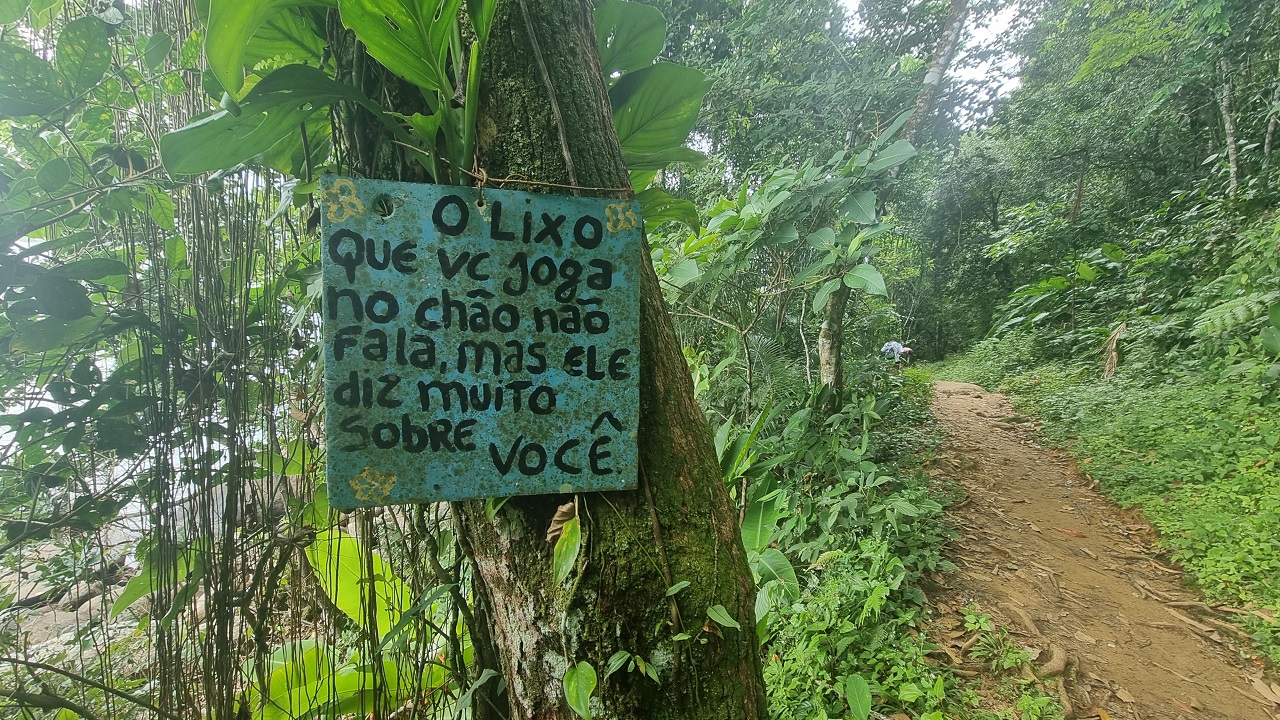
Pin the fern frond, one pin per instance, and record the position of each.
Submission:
(1233, 314)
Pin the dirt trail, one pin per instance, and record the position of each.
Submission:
(1062, 568)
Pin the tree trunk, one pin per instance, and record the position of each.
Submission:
(1229, 129)
(544, 116)
(831, 346)
(948, 44)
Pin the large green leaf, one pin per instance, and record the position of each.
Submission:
(54, 175)
(566, 551)
(357, 581)
(84, 54)
(410, 37)
(865, 277)
(481, 13)
(630, 35)
(654, 109)
(657, 206)
(758, 525)
(824, 293)
(858, 694)
(275, 108)
(722, 617)
(773, 565)
(12, 10)
(290, 35)
(639, 162)
(1270, 339)
(156, 49)
(898, 152)
(860, 207)
(579, 683)
(232, 24)
(28, 85)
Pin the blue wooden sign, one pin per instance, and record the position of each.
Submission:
(477, 343)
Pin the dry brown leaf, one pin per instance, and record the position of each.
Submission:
(1104, 715)
(1072, 533)
(564, 514)
(1124, 695)
(1265, 690)
(1084, 637)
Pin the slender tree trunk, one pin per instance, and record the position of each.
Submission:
(831, 346)
(544, 116)
(944, 54)
(1270, 137)
(1229, 128)
(1075, 204)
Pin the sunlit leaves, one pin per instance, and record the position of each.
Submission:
(231, 26)
(358, 582)
(273, 110)
(83, 55)
(655, 108)
(28, 85)
(865, 277)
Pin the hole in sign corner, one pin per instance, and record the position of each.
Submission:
(383, 206)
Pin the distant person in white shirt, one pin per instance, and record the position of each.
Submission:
(896, 350)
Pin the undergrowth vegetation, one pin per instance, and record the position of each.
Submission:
(864, 527)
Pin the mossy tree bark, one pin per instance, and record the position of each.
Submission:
(831, 347)
(544, 116)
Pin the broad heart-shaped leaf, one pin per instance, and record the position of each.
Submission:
(1270, 339)
(657, 206)
(865, 277)
(860, 207)
(1274, 315)
(566, 550)
(272, 110)
(374, 600)
(12, 10)
(898, 152)
(824, 293)
(231, 25)
(83, 54)
(54, 175)
(858, 694)
(406, 36)
(630, 35)
(156, 49)
(654, 109)
(28, 85)
(773, 565)
(579, 683)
